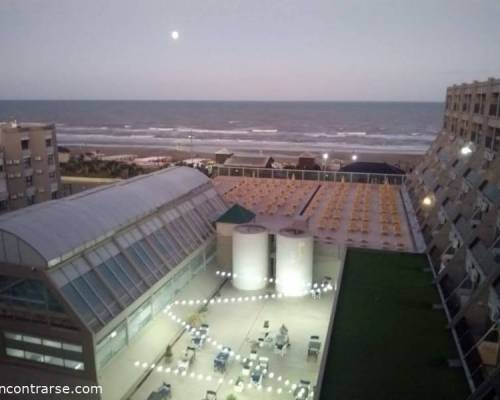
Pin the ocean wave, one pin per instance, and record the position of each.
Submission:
(264, 130)
(156, 129)
(351, 133)
(249, 144)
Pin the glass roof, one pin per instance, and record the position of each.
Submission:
(59, 229)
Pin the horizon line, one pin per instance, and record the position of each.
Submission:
(231, 101)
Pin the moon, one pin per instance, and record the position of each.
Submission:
(175, 35)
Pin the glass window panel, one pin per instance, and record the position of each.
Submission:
(171, 246)
(81, 307)
(78, 365)
(89, 295)
(13, 336)
(28, 355)
(53, 360)
(72, 347)
(139, 319)
(102, 292)
(127, 275)
(146, 256)
(32, 339)
(51, 343)
(14, 352)
(116, 284)
(141, 265)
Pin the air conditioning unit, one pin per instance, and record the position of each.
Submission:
(39, 171)
(41, 190)
(8, 162)
(13, 197)
(17, 162)
(11, 176)
(38, 158)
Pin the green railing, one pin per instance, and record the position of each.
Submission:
(323, 176)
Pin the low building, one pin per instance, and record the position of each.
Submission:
(250, 161)
(222, 155)
(306, 160)
(64, 154)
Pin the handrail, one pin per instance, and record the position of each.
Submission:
(308, 175)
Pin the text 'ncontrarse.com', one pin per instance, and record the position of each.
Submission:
(50, 390)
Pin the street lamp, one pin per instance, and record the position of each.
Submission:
(354, 157)
(427, 201)
(190, 137)
(467, 149)
(325, 158)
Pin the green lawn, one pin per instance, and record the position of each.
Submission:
(387, 341)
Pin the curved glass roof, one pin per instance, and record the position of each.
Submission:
(57, 230)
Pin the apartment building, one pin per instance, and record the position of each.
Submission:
(29, 169)
(456, 195)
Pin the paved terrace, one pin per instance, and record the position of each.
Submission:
(348, 214)
(387, 340)
(236, 325)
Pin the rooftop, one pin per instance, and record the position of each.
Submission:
(372, 168)
(236, 215)
(243, 160)
(46, 232)
(387, 340)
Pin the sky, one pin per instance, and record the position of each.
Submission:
(343, 50)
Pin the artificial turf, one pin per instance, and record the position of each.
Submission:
(387, 340)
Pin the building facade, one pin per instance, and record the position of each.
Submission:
(29, 168)
(456, 195)
(82, 276)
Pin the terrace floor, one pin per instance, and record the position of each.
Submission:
(236, 325)
(348, 214)
(387, 341)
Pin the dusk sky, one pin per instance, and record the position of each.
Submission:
(245, 49)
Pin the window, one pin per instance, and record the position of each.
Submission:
(48, 142)
(72, 347)
(50, 159)
(25, 144)
(29, 180)
(27, 162)
(40, 350)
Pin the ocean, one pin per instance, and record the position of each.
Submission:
(378, 127)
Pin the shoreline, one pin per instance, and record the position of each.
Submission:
(406, 161)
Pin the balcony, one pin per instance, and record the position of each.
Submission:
(450, 210)
(483, 258)
(492, 193)
(26, 153)
(473, 179)
(463, 229)
(54, 187)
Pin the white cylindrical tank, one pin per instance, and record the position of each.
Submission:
(294, 261)
(250, 257)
